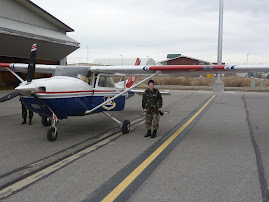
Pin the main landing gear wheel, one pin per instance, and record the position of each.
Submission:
(52, 134)
(125, 127)
(46, 121)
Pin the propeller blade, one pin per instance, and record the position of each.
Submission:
(9, 96)
(43, 105)
(31, 66)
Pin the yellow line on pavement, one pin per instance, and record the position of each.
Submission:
(131, 177)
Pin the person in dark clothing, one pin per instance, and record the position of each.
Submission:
(152, 104)
(24, 114)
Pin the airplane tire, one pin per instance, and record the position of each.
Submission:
(45, 121)
(125, 127)
(52, 134)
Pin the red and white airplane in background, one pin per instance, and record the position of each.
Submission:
(84, 90)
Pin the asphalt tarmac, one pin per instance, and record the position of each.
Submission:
(209, 147)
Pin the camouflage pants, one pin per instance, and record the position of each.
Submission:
(24, 112)
(152, 120)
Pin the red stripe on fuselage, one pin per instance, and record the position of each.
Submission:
(70, 92)
(104, 91)
(64, 92)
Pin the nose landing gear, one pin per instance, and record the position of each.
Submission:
(52, 132)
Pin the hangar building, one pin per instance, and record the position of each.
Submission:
(23, 23)
(124, 61)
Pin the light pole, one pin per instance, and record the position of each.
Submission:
(87, 54)
(220, 35)
(218, 86)
(247, 58)
(121, 59)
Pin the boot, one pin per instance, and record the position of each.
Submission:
(30, 121)
(154, 134)
(148, 133)
(24, 121)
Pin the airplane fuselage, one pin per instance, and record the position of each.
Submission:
(68, 96)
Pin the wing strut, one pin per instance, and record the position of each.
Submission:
(118, 95)
(18, 77)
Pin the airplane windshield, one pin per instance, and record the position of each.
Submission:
(71, 71)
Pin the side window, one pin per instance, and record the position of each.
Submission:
(105, 81)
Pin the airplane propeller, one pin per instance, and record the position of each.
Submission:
(9, 96)
(31, 66)
(30, 75)
(43, 105)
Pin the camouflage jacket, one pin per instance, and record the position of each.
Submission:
(152, 101)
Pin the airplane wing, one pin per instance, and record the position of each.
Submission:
(179, 69)
(143, 70)
(20, 67)
(170, 70)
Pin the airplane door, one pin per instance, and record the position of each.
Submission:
(104, 89)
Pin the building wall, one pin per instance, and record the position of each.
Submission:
(13, 10)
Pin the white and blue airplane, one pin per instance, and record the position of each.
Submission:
(84, 90)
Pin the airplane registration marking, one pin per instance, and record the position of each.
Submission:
(53, 168)
(132, 176)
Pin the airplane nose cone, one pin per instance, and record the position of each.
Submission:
(26, 88)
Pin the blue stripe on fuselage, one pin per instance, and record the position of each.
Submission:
(74, 106)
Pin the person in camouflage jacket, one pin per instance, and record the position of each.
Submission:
(152, 104)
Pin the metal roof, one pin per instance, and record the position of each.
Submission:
(26, 30)
(51, 44)
(41, 12)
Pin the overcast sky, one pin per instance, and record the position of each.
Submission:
(154, 28)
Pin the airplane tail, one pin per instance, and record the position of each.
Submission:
(132, 79)
(138, 61)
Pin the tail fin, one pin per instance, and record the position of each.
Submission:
(138, 61)
(132, 79)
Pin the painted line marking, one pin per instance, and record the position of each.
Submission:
(132, 176)
(42, 173)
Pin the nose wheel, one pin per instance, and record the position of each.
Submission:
(52, 132)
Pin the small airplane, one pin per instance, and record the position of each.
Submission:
(84, 90)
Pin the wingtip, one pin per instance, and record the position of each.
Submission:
(5, 64)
